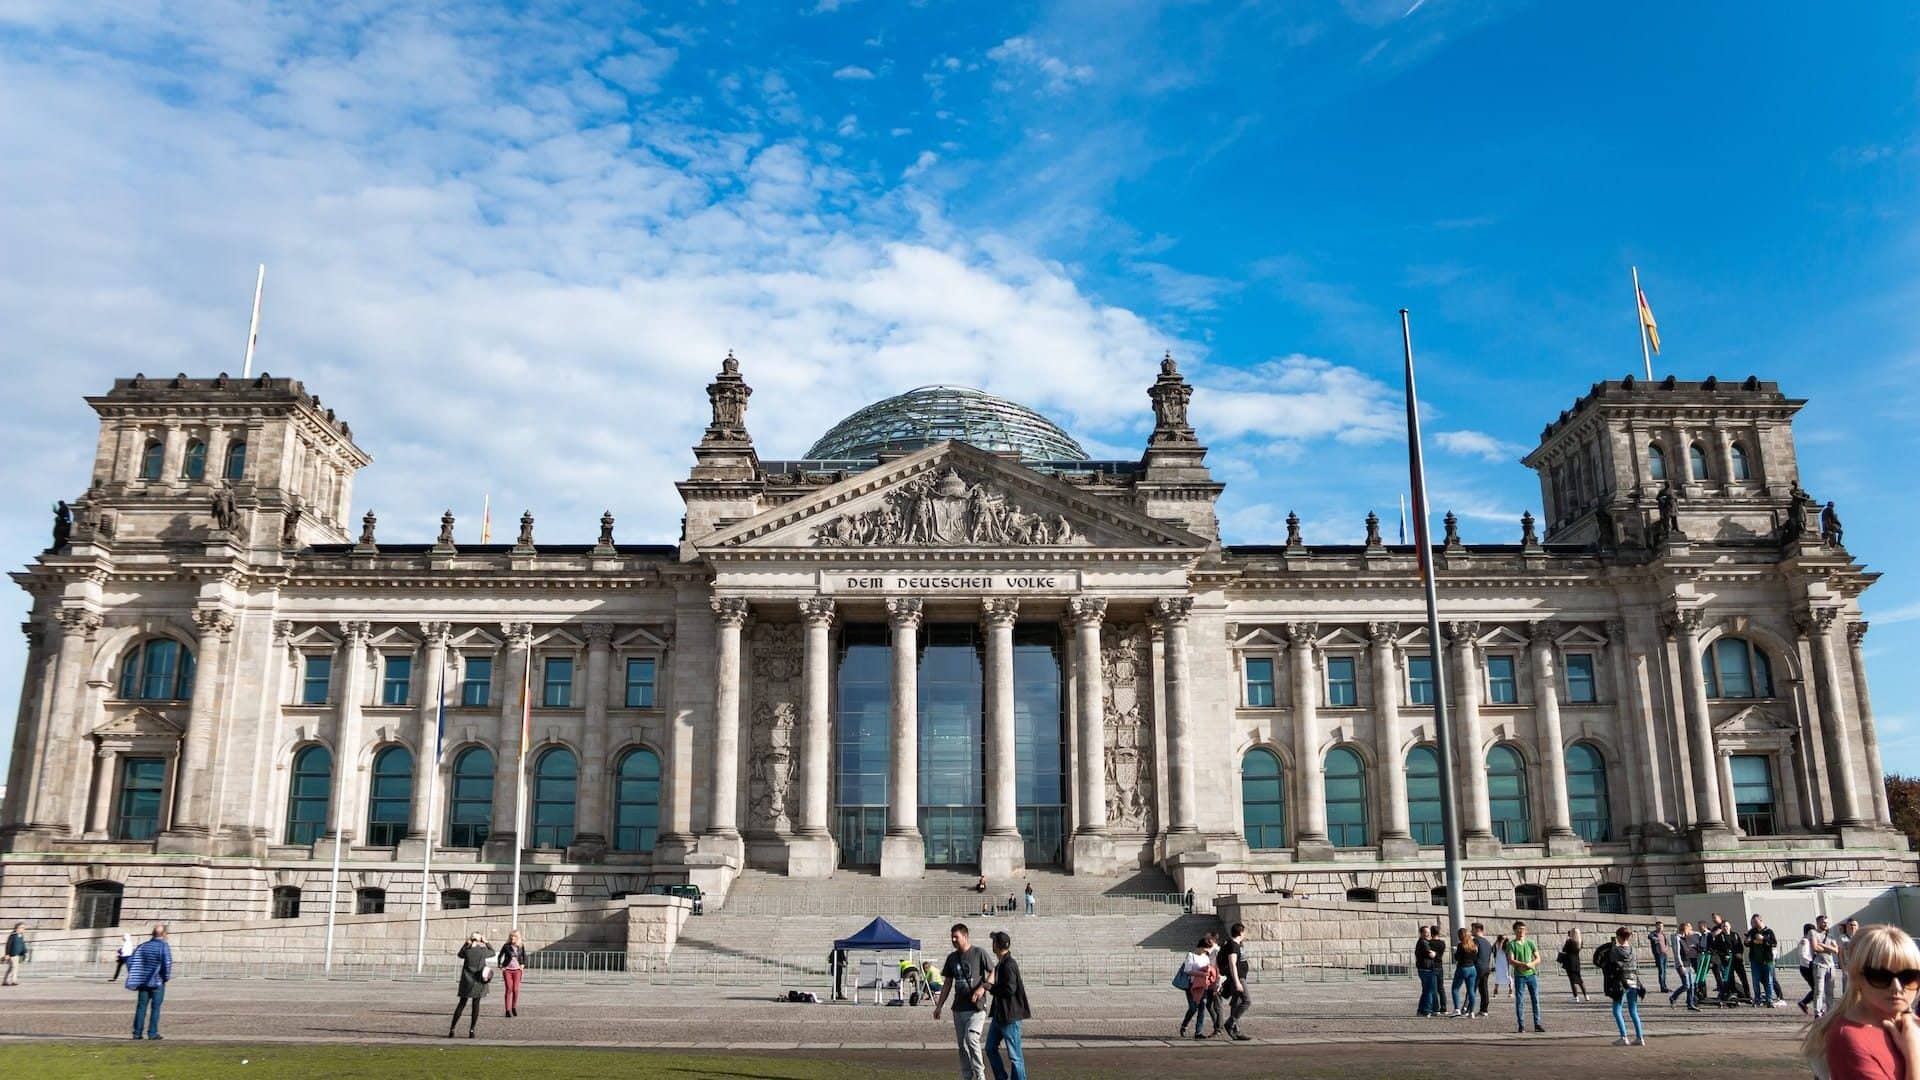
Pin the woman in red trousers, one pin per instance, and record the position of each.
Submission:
(513, 961)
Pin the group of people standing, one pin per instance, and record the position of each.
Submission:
(1214, 978)
(1481, 967)
(1740, 963)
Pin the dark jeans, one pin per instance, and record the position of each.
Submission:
(1241, 1001)
(1686, 986)
(1660, 965)
(1215, 1009)
(1483, 981)
(1529, 987)
(1196, 1012)
(1469, 978)
(146, 1006)
(1430, 1000)
(1762, 982)
(998, 1033)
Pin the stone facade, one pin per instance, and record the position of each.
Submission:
(227, 676)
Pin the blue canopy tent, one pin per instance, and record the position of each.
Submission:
(877, 936)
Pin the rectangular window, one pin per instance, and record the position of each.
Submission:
(1753, 793)
(1580, 679)
(140, 782)
(397, 680)
(315, 680)
(1340, 681)
(1420, 680)
(1259, 682)
(476, 688)
(1501, 689)
(640, 683)
(556, 683)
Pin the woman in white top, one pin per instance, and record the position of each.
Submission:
(1199, 970)
(120, 958)
(1502, 974)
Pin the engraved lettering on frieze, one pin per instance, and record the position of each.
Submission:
(947, 511)
(1125, 659)
(776, 651)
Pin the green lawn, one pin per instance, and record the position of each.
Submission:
(137, 1061)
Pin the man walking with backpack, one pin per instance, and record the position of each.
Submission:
(148, 971)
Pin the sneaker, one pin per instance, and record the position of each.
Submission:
(1623, 1041)
(1539, 1029)
(1804, 1010)
(1237, 1037)
(1642, 1041)
(1521, 1030)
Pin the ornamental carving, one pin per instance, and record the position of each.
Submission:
(775, 648)
(1126, 661)
(947, 511)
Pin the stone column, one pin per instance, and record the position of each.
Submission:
(590, 839)
(1002, 851)
(1309, 782)
(1835, 722)
(812, 852)
(346, 752)
(1723, 768)
(723, 811)
(1863, 708)
(514, 690)
(1553, 751)
(903, 854)
(1091, 850)
(1183, 794)
(1646, 797)
(56, 734)
(426, 769)
(192, 794)
(1470, 758)
(1708, 823)
(100, 807)
(1396, 836)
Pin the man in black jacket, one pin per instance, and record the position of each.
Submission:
(1482, 965)
(1232, 963)
(1009, 1008)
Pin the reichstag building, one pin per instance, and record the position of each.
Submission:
(943, 638)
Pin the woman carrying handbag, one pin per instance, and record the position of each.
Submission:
(474, 976)
(1199, 974)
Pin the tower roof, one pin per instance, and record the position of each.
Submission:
(931, 414)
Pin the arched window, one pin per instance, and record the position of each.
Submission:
(636, 813)
(193, 465)
(1263, 800)
(1507, 795)
(236, 466)
(1530, 897)
(555, 778)
(370, 902)
(158, 669)
(540, 896)
(1423, 796)
(1611, 897)
(1363, 896)
(1736, 668)
(391, 797)
(151, 460)
(1741, 470)
(96, 905)
(307, 794)
(1587, 793)
(1346, 798)
(455, 899)
(470, 813)
(286, 902)
(1697, 461)
(1656, 463)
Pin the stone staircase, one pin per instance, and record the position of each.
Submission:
(1088, 930)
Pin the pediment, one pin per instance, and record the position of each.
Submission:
(139, 723)
(1754, 719)
(952, 496)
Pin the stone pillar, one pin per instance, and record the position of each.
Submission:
(1090, 849)
(1002, 852)
(1396, 836)
(1553, 753)
(590, 838)
(193, 793)
(100, 807)
(812, 852)
(57, 728)
(515, 689)
(1835, 722)
(1863, 708)
(1183, 794)
(1470, 758)
(1646, 796)
(1723, 768)
(346, 754)
(903, 854)
(1709, 826)
(426, 769)
(723, 811)
(1309, 781)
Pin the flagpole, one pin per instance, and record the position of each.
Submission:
(433, 784)
(1442, 729)
(520, 778)
(1640, 320)
(486, 517)
(253, 331)
(333, 882)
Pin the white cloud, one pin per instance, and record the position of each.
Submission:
(853, 72)
(1894, 615)
(639, 70)
(848, 127)
(920, 164)
(1295, 399)
(1024, 55)
(1478, 444)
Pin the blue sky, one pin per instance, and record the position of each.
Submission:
(510, 245)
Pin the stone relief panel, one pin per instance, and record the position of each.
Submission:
(774, 717)
(1127, 660)
(947, 510)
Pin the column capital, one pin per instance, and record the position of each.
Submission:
(996, 611)
(1173, 610)
(1856, 633)
(599, 634)
(214, 622)
(1543, 631)
(1617, 631)
(1683, 621)
(903, 612)
(35, 634)
(519, 635)
(1818, 620)
(355, 631)
(436, 633)
(1087, 611)
(283, 630)
(80, 621)
(731, 610)
(1463, 635)
(1302, 634)
(1383, 633)
(817, 611)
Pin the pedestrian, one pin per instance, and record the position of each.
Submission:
(1483, 966)
(1871, 1032)
(1621, 984)
(1198, 973)
(1214, 1008)
(1012, 904)
(1825, 962)
(1848, 927)
(981, 885)
(1762, 943)
(967, 976)
(1231, 962)
(16, 954)
(149, 970)
(1425, 964)
(1009, 1008)
(1524, 957)
(1657, 946)
(1466, 970)
(120, 956)
(837, 960)
(1686, 952)
(474, 976)
(1569, 959)
(1029, 898)
(1502, 970)
(513, 962)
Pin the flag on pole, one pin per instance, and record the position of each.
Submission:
(1403, 519)
(440, 725)
(526, 704)
(486, 519)
(1646, 320)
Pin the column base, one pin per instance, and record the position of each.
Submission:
(1002, 855)
(1865, 835)
(1566, 843)
(1399, 847)
(190, 840)
(499, 847)
(812, 856)
(1090, 853)
(1312, 847)
(1180, 841)
(587, 848)
(713, 871)
(1713, 836)
(1198, 873)
(410, 848)
(1482, 846)
(903, 855)
(672, 849)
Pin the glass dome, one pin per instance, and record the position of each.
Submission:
(930, 414)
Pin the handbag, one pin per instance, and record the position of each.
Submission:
(1181, 980)
(486, 974)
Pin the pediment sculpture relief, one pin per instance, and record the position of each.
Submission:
(947, 511)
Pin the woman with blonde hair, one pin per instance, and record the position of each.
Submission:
(1871, 1032)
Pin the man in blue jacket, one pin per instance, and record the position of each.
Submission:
(148, 970)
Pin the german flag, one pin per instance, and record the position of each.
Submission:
(1646, 320)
